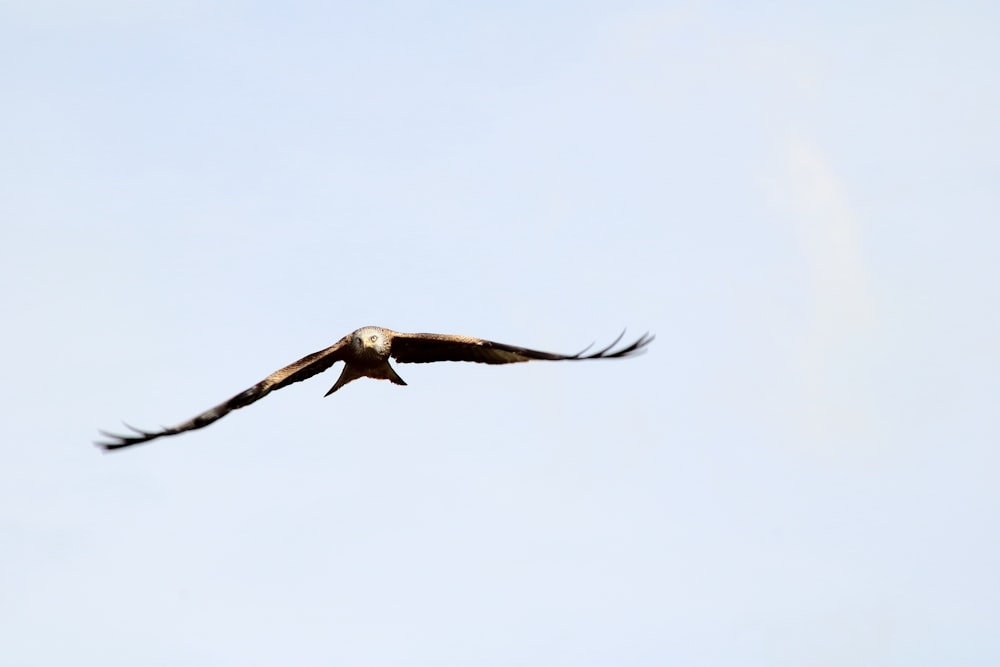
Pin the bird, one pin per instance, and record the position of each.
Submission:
(366, 353)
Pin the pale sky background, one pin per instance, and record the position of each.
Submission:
(801, 203)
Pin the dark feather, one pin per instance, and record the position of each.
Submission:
(304, 368)
(426, 348)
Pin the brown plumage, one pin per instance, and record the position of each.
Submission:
(366, 353)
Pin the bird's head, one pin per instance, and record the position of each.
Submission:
(370, 342)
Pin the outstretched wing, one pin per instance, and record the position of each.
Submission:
(423, 348)
(304, 368)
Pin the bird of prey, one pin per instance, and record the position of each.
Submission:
(366, 353)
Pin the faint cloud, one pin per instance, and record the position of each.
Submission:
(840, 308)
(829, 231)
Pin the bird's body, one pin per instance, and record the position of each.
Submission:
(371, 348)
(366, 353)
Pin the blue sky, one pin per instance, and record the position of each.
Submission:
(801, 203)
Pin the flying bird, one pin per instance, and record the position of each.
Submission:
(366, 353)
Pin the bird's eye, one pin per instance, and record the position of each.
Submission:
(373, 338)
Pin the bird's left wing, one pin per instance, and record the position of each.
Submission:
(422, 348)
(304, 368)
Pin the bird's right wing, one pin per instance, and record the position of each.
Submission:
(304, 368)
(423, 348)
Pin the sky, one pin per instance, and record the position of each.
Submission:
(800, 202)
